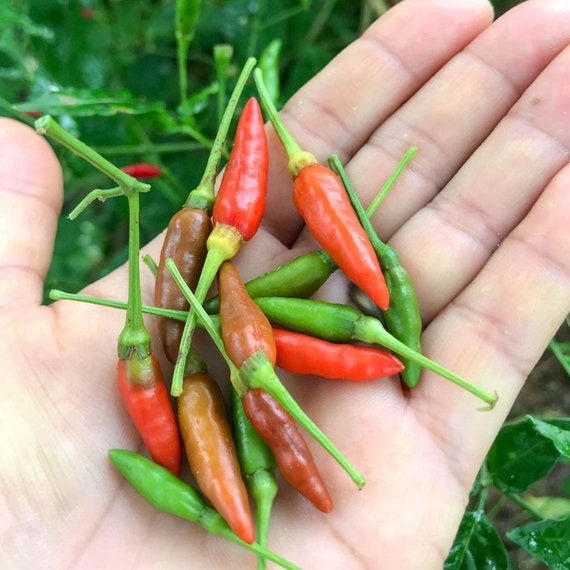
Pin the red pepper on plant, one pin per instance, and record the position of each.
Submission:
(142, 170)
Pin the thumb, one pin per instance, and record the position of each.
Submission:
(30, 203)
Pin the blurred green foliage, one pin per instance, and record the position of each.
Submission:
(106, 69)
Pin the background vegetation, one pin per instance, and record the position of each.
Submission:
(107, 70)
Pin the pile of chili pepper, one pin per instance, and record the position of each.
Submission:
(260, 327)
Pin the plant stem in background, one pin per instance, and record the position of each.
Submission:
(186, 19)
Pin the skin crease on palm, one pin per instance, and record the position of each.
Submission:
(480, 220)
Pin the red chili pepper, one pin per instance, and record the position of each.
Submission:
(240, 202)
(142, 170)
(320, 198)
(211, 453)
(147, 401)
(304, 354)
(281, 434)
(237, 212)
(245, 329)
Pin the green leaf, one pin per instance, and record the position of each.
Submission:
(89, 102)
(477, 545)
(520, 456)
(548, 541)
(560, 437)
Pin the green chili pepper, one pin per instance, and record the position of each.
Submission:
(258, 469)
(402, 317)
(300, 277)
(269, 65)
(168, 493)
(342, 323)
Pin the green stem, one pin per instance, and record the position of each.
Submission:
(291, 147)
(97, 194)
(379, 198)
(368, 329)
(207, 323)
(46, 125)
(134, 337)
(257, 372)
(57, 295)
(150, 263)
(203, 195)
(560, 355)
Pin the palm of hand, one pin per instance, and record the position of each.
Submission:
(64, 504)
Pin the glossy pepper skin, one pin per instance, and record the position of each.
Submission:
(245, 329)
(281, 434)
(304, 354)
(240, 202)
(300, 277)
(258, 468)
(211, 453)
(402, 317)
(147, 402)
(168, 493)
(185, 242)
(321, 199)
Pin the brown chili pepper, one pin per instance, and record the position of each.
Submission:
(211, 452)
(184, 242)
(292, 454)
(245, 329)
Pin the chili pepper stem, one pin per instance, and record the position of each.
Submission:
(134, 337)
(58, 295)
(367, 329)
(47, 125)
(394, 175)
(223, 243)
(257, 372)
(203, 195)
(298, 158)
(207, 322)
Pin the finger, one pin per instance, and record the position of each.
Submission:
(30, 202)
(342, 106)
(497, 329)
(451, 115)
(457, 232)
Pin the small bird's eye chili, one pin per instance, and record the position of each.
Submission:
(169, 494)
(304, 354)
(402, 317)
(142, 170)
(342, 323)
(245, 329)
(147, 402)
(321, 200)
(211, 453)
(186, 239)
(300, 277)
(184, 242)
(236, 214)
(258, 468)
(294, 459)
